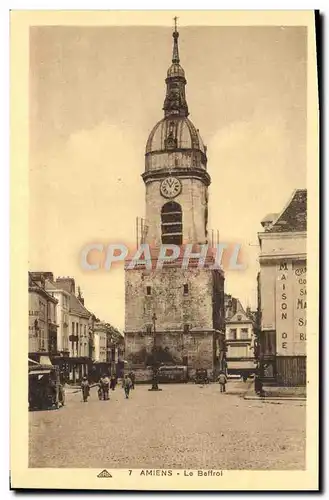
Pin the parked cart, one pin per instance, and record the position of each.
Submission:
(45, 388)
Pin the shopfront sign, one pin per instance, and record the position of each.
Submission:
(291, 308)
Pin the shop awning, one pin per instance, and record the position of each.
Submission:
(32, 362)
(39, 372)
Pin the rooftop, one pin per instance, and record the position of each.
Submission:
(293, 217)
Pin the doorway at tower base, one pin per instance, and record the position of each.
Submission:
(192, 350)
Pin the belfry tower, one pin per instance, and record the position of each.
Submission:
(181, 311)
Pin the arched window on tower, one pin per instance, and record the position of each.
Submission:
(171, 223)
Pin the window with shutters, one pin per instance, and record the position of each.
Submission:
(171, 223)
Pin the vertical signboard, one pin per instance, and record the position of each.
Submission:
(291, 308)
(284, 309)
(300, 304)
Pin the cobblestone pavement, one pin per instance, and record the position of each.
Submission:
(183, 426)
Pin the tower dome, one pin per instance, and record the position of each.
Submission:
(174, 141)
(174, 132)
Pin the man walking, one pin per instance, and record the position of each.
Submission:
(132, 378)
(222, 379)
(85, 388)
(126, 384)
(105, 385)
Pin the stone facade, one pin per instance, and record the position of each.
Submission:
(187, 305)
(174, 315)
(193, 200)
(163, 293)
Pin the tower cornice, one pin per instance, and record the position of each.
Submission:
(182, 173)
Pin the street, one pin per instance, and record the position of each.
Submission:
(183, 426)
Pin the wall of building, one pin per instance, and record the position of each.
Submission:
(81, 328)
(173, 309)
(52, 312)
(167, 300)
(242, 345)
(283, 244)
(100, 337)
(268, 297)
(193, 202)
(291, 309)
(96, 347)
(283, 304)
(62, 320)
(102, 347)
(38, 324)
(243, 330)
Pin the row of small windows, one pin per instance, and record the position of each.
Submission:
(244, 334)
(77, 328)
(149, 290)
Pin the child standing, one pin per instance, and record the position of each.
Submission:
(222, 379)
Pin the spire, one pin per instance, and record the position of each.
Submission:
(175, 101)
(175, 53)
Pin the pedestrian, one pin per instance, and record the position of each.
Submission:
(105, 384)
(126, 384)
(222, 379)
(113, 382)
(132, 378)
(85, 387)
(100, 391)
(258, 380)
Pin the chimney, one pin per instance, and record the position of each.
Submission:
(48, 276)
(66, 283)
(38, 277)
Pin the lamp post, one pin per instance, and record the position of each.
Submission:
(155, 386)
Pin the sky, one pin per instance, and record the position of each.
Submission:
(95, 95)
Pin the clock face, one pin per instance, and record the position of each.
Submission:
(170, 187)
